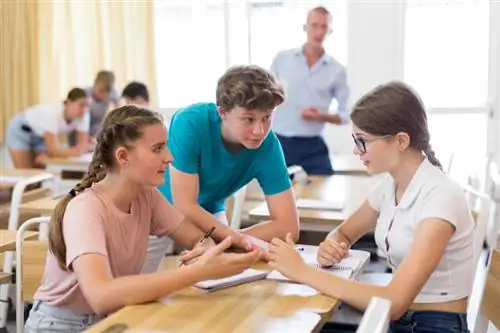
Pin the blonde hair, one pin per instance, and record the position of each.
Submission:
(121, 127)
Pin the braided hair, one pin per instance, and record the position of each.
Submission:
(121, 127)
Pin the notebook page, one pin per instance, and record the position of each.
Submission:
(246, 276)
(344, 272)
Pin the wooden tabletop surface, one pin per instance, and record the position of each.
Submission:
(9, 177)
(8, 239)
(260, 306)
(351, 190)
(42, 206)
(83, 160)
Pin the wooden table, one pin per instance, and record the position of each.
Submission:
(349, 189)
(58, 164)
(10, 177)
(8, 243)
(261, 306)
(347, 164)
(42, 206)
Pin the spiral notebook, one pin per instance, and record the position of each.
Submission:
(248, 275)
(344, 269)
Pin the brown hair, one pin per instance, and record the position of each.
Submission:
(121, 127)
(392, 108)
(75, 94)
(106, 78)
(250, 87)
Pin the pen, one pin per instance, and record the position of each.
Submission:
(202, 241)
(300, 248)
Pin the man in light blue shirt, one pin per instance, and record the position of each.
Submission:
(311, 79)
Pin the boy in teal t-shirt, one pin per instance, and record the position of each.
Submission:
(219, 148)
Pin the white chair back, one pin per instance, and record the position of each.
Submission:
(489, 308)
(377, 317)
(19, 268)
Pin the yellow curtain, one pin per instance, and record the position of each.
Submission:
(18, 58)
(79, 38)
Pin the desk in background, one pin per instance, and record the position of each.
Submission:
(351, 190)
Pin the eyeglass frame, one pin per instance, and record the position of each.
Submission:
(361, 143)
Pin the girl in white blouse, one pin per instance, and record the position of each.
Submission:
(421, 219)
(41, 131)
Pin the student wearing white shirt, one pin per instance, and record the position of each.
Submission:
(421, 219)
(35, 133)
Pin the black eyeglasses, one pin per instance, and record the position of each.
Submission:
(361, 143)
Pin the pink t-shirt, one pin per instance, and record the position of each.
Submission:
(93, 224)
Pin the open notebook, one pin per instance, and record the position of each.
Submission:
(319, 204)
(343, 269)
(248, 275)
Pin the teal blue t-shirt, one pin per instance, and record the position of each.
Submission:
(195, 140)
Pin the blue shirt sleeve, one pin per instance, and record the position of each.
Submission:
(341, 94)
(184, 143)
(272, 173)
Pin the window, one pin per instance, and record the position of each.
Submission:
(197, 41)
(446, 55)
(288, 32)
(446, 51)
(190, 50)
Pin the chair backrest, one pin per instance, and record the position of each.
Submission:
(376, 318)
(30, 265)
(489, 309)
(493, 230)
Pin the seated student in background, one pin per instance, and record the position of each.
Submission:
(37, 132)
(101, 94)
(219, 148)
(420, 215)
(99, 232)
(136, 93)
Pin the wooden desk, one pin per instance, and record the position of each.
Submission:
(8, 239)
(10, 177)
(58, 164)
(347, 164)
(261, 306)
(349, 189)
(42, 206)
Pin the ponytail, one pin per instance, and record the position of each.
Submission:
(57, 245)
(431, 156)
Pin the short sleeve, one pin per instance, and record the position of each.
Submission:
(378, 193)
(444, 202)
(184, 142)
(51, 123)
(83, 227)
(166, 218)
(83, 124)
(272, 173)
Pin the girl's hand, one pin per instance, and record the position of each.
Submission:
(331, 252)
(285, 258)
(188, 257)
(215, 264)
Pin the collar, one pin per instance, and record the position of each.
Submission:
(417, 183)
(324, 59)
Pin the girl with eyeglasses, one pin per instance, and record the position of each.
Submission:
(421, 219)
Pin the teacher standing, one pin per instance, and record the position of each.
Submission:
(312, 80)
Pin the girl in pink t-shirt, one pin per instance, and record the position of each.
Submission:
(99, 232)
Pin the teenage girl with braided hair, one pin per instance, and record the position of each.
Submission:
(420, 216)
(99, 232)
